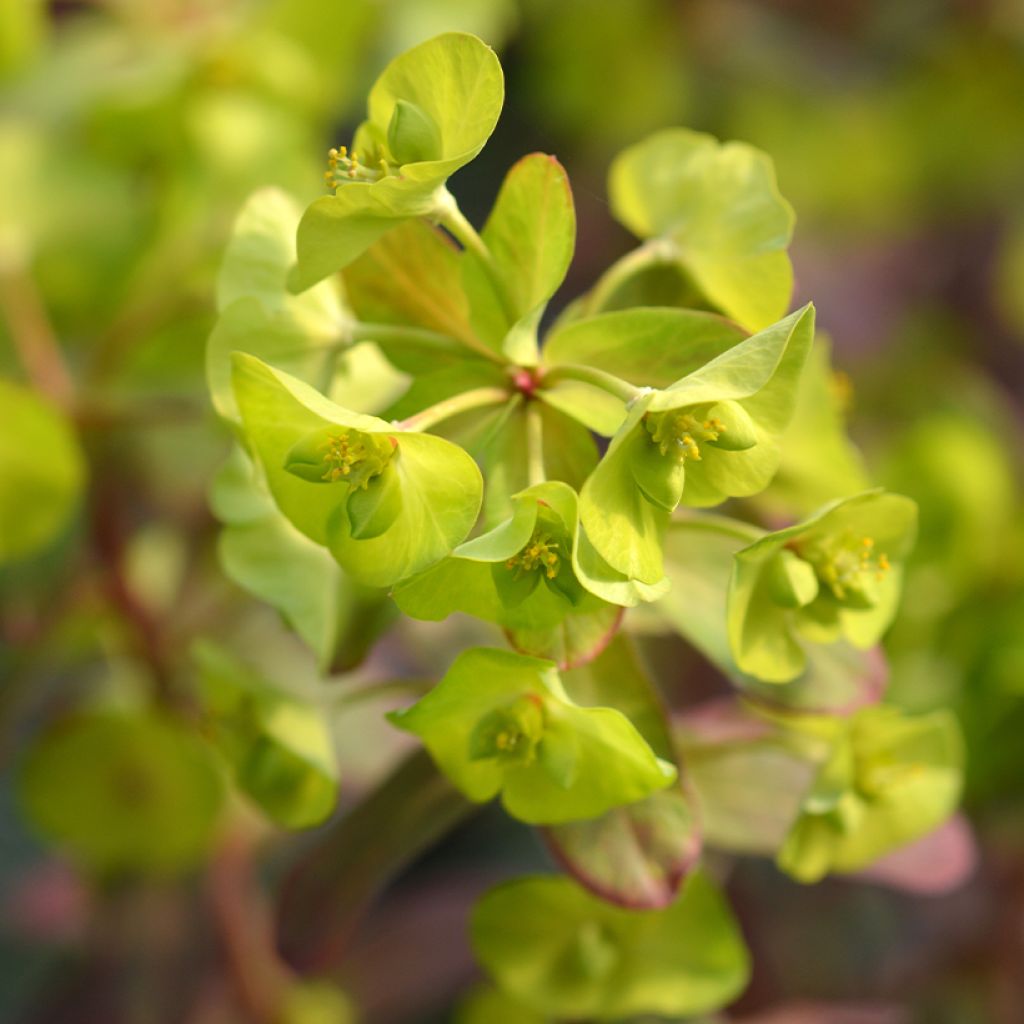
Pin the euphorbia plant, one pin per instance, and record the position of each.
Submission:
(410, 437)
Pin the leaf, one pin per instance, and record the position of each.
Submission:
(501, 722)
(749, 779)
(455, 82)
(819, 462)
(531, 234)
(123, 792)
(563, 952)
(335, 881)
(42, 472)
(440, 484)
(649, 347)
(721, 206)
(297, 333)
(279, 748)
(578, 638)
(635, 856)
(411, 277)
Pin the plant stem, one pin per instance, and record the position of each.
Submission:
(452, 219)
(596, 378)
(453, 406)
(33, 336)
(651, 253)
(534, 444)
(398, 335)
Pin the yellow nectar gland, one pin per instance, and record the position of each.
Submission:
(843, 567)
(352, 458)
(541, 552)
(343, 167)
(680, 434)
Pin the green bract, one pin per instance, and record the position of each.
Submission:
(502, 722)
(386, 502)
(561, 951)
(835, 575)
(717, 211)
(891, 778)
(711, 435)
(430, 113)
(278, 747)
(297, 333)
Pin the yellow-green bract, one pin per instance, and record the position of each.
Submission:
(502, 723)
(437, 104)
(835, 575)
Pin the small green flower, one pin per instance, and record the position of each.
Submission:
(430, 113)
(711, 435)
(835, 575)
(502, 723)
(890, 779)
(386, 502)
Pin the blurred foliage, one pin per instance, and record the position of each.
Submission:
(130, 135)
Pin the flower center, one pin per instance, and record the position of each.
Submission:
(343, 167)
(354, 457)
(679, 434)
(849, 566)
(510, 733)
(541, 552)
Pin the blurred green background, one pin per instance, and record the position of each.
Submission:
(130, 134)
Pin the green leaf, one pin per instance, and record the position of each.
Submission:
(892, 778)
(455, 86)
(279, 748)
(748, 391)
(123, 792)
(501, 722)
(720, 205)
(298, 333)
(439, 483)
(531, 234)
(563, 952)
(411, 277)
(42, 472)
(649, 347)
(635, 856)
(856, 548)
(487, 1005)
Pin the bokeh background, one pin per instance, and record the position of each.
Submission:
(130, 134)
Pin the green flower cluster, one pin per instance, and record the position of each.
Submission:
(405, 432)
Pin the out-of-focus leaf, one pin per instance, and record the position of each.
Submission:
(749, 780)
(42, 472)
(720, 205)
(123, 792)
(556, 948)
(279, 748)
